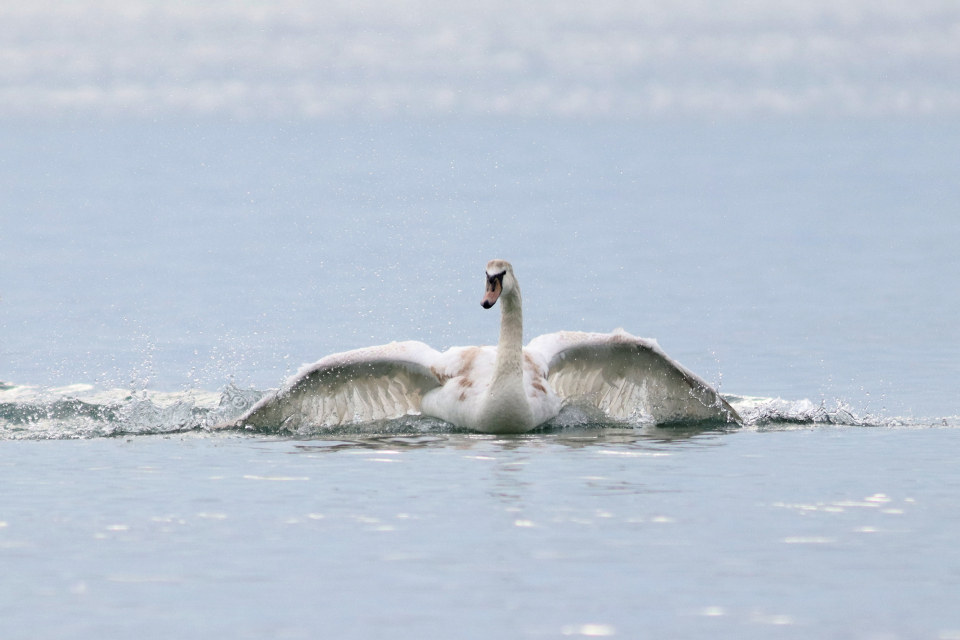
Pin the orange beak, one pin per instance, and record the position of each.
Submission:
(492, 294)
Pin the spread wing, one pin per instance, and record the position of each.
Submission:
(376, 383)
(628, 376)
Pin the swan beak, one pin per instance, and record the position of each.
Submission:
(493, 293)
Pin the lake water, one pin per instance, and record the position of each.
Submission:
(155, 278)
(834, 532)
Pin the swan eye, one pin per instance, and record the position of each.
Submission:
(495, 278)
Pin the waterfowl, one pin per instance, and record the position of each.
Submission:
(508, 388)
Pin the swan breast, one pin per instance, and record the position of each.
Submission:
(464, 374)
(544, 402)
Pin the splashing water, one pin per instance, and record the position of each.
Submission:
(81, 411)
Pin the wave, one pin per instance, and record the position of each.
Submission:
(775, 412)
(82, 411)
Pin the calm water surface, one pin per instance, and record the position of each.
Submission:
(829, 533)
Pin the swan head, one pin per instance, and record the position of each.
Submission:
(499, 279)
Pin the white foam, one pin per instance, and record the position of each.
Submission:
(763, 412)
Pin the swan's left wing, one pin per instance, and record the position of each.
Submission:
(376, 383)
(627, 376)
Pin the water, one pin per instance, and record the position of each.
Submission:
(422, 58)
(808, 260)
(155, 278)
(839, 532)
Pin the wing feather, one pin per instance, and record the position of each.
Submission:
(626, 376)
(376, 383)
(368, 400)
(388, 398)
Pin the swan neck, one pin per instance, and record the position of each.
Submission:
(510, 346)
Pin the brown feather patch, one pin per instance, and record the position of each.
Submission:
(442, 378)
(468, 357)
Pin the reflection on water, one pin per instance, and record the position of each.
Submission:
(647, 440)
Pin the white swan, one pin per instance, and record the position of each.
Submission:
(502, 389)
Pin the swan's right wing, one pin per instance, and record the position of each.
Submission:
(376, 383)
(627, 376)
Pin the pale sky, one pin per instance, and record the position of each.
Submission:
(429, 58)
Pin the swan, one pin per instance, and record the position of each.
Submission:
(504, 389)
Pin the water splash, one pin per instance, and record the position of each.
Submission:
(82, 411)
(776, 412)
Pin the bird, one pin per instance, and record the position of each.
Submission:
(507, 388)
